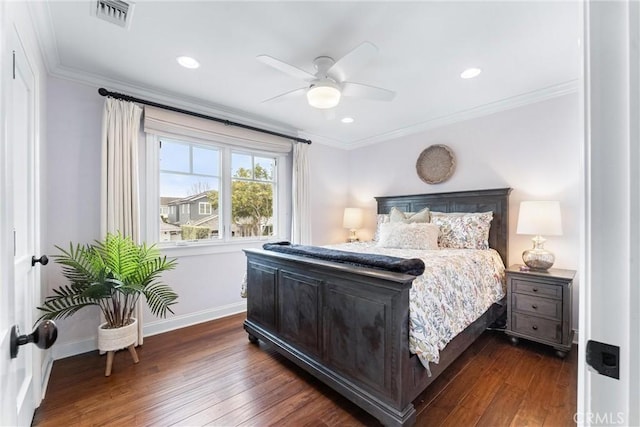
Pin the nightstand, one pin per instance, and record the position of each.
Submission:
(539, 307)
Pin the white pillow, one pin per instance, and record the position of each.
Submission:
(415, 235)
(396, 215)
(380, 219)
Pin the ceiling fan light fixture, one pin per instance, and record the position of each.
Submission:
(323, 95)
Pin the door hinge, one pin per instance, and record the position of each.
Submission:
(14, 65)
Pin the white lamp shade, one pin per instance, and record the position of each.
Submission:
(323, 96)
(352, 218)
(540, 218)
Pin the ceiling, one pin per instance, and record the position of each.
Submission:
(528, 51)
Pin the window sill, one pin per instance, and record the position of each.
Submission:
(197, 249)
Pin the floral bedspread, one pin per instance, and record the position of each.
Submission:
(457, 287)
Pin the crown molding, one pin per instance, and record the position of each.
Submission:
(43, 25)
(566, 88)
(319, 139)
(175, 100)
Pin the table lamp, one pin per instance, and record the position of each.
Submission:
(352, 220)
(539, 218)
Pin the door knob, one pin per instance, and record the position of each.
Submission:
(42, 260)
(43, 336)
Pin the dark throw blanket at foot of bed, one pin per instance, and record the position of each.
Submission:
(413, 266)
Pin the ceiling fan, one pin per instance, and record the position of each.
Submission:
(329, 83)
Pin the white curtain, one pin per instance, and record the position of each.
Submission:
(120, 210)
(301, 215)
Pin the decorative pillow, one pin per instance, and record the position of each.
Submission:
(463, 230)
(380, 219)
(415, 235)
(396, 215)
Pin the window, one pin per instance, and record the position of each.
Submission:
(233, 192)
(204, 208)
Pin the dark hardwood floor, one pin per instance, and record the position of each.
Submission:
(211, 374)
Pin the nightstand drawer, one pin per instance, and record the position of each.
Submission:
(537, 306)
(537, 327)
(534, 288)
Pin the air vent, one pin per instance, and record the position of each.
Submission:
(114, 11)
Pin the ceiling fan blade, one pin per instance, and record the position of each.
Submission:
(289, 69)
(287, 95)
(359, 90)
(353, 61)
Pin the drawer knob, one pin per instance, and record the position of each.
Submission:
(535, 307)
(534, 327)
(535, 289)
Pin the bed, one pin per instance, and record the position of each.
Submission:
(349, 325)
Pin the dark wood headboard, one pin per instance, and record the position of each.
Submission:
(496, 200)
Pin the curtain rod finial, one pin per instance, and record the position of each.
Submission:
(102, 91)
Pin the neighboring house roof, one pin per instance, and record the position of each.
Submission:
(204, 220)
(189, 199)
(164, 201)
(166, 227)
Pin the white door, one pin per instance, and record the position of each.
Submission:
(20, 377)
(610, 300)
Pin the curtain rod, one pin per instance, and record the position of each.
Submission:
(104, 92)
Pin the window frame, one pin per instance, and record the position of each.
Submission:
(226, 243)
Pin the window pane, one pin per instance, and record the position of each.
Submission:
(206, 161)
(264, 168)
(189, 191)
(241, 165)
(174, 156)
(251, 208)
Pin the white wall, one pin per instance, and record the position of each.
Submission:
(72, 192)
(329, 193)
(533, 149)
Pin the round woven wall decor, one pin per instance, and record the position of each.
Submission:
(436, 164)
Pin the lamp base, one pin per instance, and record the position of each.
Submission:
(352, 236)
(538, 258)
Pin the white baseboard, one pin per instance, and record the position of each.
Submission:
(61, 351)
(47, 365)
(177, 322)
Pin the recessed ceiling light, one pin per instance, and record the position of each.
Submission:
(187, 62)
(470, 73)
(347, 120)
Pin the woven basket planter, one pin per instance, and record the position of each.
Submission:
(118, 338)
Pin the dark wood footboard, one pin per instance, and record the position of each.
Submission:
(347, 326)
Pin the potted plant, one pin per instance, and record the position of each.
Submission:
(111, 274)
